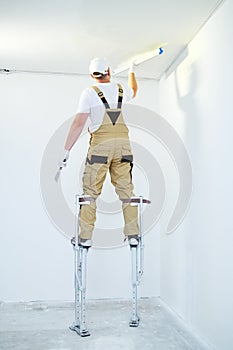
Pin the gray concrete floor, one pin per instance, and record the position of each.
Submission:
(45, 326)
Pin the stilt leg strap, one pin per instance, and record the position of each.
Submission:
(85, 199)
(136, 200)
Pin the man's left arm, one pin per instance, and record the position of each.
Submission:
(132, 82)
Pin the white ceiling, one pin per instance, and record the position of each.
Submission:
(63, 35)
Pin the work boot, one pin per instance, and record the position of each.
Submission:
(82, 242)
(72, 241)
(87, 243)
(133, 240)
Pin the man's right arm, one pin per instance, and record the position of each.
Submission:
(79, 120)
(75, 130)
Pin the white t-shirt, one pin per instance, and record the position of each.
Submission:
(91, 103)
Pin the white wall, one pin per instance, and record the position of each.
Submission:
(197, 260)
(36, 259)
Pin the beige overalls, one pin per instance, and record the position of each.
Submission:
(109, 150)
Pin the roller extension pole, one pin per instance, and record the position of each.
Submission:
(80, 267)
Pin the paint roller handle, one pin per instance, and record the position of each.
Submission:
(132, 68)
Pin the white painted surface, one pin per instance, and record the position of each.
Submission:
(64, 35)
(197, 260)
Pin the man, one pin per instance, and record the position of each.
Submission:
(109, 147)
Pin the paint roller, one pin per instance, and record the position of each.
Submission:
(139, 59)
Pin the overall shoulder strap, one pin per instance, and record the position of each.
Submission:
(101, 96)
(120, 95)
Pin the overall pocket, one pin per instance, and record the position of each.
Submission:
(126, 154)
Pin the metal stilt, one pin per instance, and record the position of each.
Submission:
(80, 263)
(137, 259)
(80, 267)
(134, 321)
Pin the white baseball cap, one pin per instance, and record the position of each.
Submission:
(98, 67)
